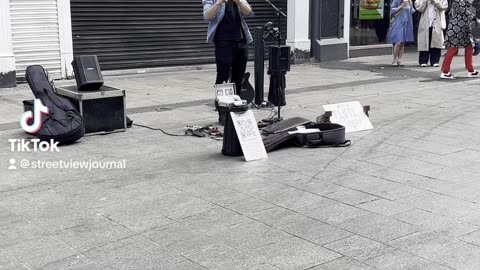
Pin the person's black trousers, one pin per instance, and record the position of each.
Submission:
(434, 53)
(231, 58)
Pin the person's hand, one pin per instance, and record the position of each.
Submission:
(237, 1)
(221, 1)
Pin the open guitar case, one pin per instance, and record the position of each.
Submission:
(302, 132)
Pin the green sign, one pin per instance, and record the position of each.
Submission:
(371, 10)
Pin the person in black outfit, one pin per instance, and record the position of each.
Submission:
(230, 34)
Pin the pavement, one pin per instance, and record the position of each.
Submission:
(404, 195)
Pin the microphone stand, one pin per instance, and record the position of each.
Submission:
(280, 14)
(279, 74)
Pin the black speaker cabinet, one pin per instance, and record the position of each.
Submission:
(87, 72)
(279, 59)
(103, 109)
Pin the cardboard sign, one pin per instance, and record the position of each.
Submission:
(249, 135)
(350, 115)
(224, 90)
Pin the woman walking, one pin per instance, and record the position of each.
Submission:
(459, 34)
(430, 30)
(401, 28)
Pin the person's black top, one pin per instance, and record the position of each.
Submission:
(230, 28)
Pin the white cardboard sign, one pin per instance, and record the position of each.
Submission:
(249, 135)
(350, 115)
(224, 90)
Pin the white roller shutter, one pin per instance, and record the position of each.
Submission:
(36, 35)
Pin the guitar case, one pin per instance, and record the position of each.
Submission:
(63, 123)
(323, 135)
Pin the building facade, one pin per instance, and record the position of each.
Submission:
(127, 34)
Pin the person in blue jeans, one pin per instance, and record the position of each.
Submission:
(229, 32)
(401, 28)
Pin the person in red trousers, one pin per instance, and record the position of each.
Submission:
(459, 34)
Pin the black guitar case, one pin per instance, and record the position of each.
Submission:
(63, 123)
(247, 92)
(329, 135)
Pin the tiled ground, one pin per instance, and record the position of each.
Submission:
(404, 195)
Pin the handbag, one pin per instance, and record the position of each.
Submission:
(395, 15)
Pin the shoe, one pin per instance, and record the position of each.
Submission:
(436, 65)
(400, 64)
(473, 74)
(448, 75)
(423, 65)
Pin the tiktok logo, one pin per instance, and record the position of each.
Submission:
(38, 110)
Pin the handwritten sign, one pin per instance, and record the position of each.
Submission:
(350, 115)
(249, 135)
(224, 90)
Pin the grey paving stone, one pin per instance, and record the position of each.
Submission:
(214, 220)
(76, 262)
(7, 261)
(343, 263)
(249, 205)
(358, 247)
(435, 222)
(427, 244)
(336, 214)
(178, 206)
(472, 238)
(298, 200)
(350, 196)
(394, 191)
(91, 233)
(134, 252)
(264, 267)
(400, 260)
(179, 238)
(277, 217)
(223, 257)
(466, 257)
(441, 204)
(43, 250)
(18, 231)
(379, 228)
(294, 253)
(249, 235)
(384, 207)
(315, 231)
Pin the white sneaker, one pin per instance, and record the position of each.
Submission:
(423, 65)
(473, 74)
(436, 65)
(448, 75)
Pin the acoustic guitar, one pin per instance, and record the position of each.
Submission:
(247, 92)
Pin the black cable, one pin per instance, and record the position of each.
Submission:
(164, 132)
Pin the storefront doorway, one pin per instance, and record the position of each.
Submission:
(369, 22)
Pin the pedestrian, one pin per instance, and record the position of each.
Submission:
(229, 32)
(459, 34)
(430, 30)
(401, 28)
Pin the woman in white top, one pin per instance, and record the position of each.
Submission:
(430, 30)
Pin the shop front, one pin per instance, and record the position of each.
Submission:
(369, 22)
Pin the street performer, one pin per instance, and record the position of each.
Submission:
(229, 32)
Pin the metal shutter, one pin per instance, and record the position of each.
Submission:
(35, 36)
(148, 33)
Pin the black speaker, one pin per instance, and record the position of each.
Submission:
(87, 72)
(279, 59)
